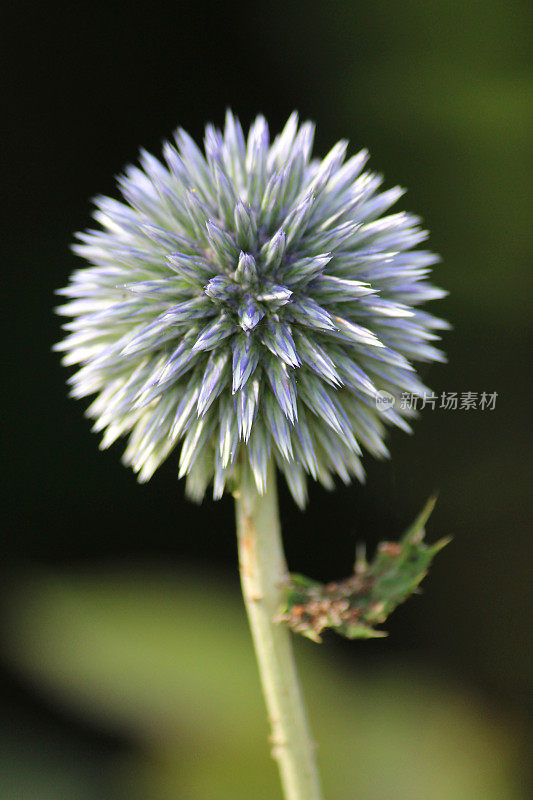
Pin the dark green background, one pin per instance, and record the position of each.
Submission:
(441, 94)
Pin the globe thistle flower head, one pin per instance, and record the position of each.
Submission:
(248, 303)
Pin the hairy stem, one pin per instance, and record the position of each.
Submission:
(263, 573)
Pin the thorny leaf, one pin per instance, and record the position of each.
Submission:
(354, 606)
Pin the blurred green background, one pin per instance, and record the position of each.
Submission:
(126, 664)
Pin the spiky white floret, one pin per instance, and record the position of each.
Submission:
(249, 301)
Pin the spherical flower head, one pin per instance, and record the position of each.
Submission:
(249, 303)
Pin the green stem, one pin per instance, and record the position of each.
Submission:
(263, 574)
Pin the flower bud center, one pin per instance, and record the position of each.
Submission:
(247, 294)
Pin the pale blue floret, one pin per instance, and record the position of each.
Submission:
(247, 303)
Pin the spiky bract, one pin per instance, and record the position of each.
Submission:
(249, 301)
